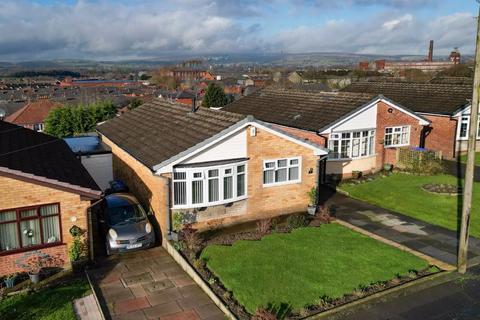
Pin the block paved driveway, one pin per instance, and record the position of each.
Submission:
(149, 284)
(434, 241)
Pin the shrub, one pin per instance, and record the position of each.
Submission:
(297, 221)
(198, 264)
(263, 314)
(312, 196)
(264, 226)
(177, 221)
(325, 215)
(192, 239)
(78, 249)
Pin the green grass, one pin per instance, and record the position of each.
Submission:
(298, 268)
(402, 193)
(47, 304)
(463, 158)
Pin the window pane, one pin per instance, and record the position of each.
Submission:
(281, 175)
(9, 237)
(294, 162)
(228, 171)
(180, 192)
(240, 185)
(463, 130)
(49, 210)
(293, 173)
(364, 147)
(371, 146)
(269, 165)
(282, 163)
(356, 147)
(213, 190)
(51, 229)
(197, 174)
(241, 168)
(179, 175)
(227, 187)
(388, 139)
(197, 192)
(268, 176)
(345, 149)
(28, 213)
(30, 233)
(8, 216)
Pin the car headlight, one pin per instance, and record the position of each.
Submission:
(148, 228)
(113, 234)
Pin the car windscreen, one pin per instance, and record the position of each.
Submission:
(125, 214)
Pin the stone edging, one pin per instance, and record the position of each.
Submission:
(440, 264)
(94, 291)
(198, 280)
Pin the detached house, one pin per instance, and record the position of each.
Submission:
(211, 166)
(44, 191)
(33, 114)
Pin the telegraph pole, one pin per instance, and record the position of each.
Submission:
(470, 168)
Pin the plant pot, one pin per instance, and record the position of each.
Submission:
(34, 277)
(10, 282)
(387, 167)
(356, 174)
(312, 210)
(79, 265)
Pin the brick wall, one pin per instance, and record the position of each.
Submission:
(17, 262)
(150, 190)
(16, 193)
(395, 118)
(442, 135)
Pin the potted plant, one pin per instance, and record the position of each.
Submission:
(356, 174)
(387, 167)
(77, 254)
(177, 225)
(10, 280)
(41, 263)
(312, 205)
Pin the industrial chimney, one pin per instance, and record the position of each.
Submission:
(430, 52)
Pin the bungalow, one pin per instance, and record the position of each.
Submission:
(44, 192)
(33, 114)
(211, 167)
(445, 105)
(361, 130)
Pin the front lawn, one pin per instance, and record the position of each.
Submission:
(463, 158)
(298, 268)
(403, 193)
(47, 304)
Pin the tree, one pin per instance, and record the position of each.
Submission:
(459, 70)
(134, 104)
(214, 97)
(74, 120)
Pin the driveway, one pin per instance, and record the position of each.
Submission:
(433, 241)
(149, 285)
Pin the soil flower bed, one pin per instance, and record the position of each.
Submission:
(443, 189)
(299, 272)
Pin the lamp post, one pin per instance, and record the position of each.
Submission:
(470, 167)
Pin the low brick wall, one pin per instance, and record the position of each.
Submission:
(16, 262)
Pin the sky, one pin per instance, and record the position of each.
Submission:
(132, 29)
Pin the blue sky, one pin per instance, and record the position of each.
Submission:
(114, 29)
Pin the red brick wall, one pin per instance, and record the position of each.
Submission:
(17, 262)
(442, 135)
(395, 118)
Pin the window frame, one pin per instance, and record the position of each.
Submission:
(465, 119)
(287, 168)
(392, 134)
(335, 143)
(205, 178)
(39, 218)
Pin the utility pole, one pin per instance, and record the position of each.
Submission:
(470, 168)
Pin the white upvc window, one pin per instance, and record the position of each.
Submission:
(464, 126)
(281, 171)
(209, 186)
(351, 145)
(397, 136)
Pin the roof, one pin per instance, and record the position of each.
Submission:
(87, 145)
(37, 156)
(433, 98)
(297, 108)
(159, 130)
(32, 112)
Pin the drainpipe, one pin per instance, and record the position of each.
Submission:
(167, 207)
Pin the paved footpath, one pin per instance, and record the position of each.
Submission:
(458, 299)
(434, 241)
(149, 284)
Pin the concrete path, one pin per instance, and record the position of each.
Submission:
(417, 235)
(149, 284)
(454, 300)
(86, 308)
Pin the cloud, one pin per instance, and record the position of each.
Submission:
(397, 23)
(399, 4)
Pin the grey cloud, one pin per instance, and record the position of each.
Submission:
(362, 3)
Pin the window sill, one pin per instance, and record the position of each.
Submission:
(396, 146)
(32, 248)
(207, 205)
(351, 159)
(278, 184)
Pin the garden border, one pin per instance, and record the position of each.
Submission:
(185, 265)
(94, 291)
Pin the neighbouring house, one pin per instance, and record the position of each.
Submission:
(445, 105)
(33, 114)
(362, 131)
(185, 97)
(44, 192)
(95, 156)
(211, 167)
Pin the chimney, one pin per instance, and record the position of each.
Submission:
(430, 52)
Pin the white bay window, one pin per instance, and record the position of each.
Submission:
(208, 186)
(351, 145)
